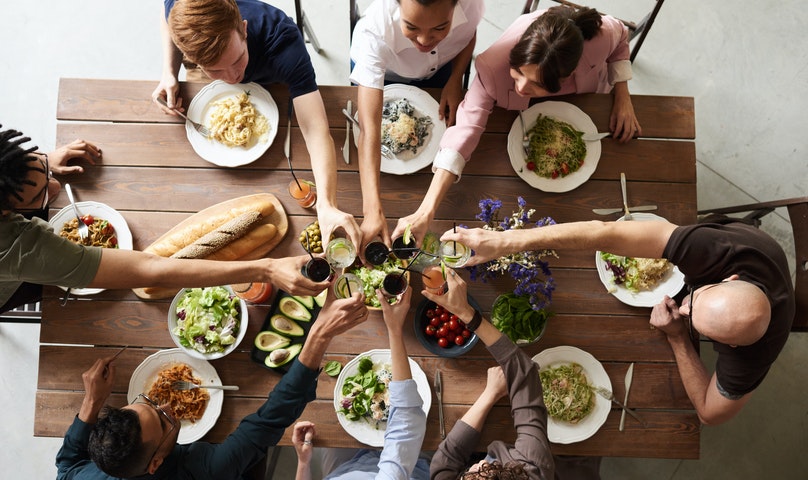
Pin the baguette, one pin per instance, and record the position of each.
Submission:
(170, 244)
(253, 239)
(220, 237)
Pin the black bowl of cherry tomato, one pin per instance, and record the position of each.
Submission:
(441, 332)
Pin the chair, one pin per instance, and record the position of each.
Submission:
(798, 214)
(638, 30)
(29, 313)
(305, 27)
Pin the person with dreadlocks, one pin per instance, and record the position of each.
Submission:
(32, 254)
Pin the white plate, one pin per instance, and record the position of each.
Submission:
(670, 284)
(361, 430)
(200, 110)
(564, 432)
(407, 162)
(98, 210)
(146, 373)
(565, 112)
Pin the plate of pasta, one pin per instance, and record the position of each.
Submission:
(108, 229)
(560, 160)
(197, 410)
(639, 282)
(242, 118)
(411, 129)
(570, 373)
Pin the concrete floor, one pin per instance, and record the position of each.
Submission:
(744, 62)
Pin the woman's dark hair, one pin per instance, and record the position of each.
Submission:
(497, 471)
(115, 443)
(15, 163)
(555, 42)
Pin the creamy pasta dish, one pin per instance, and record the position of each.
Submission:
(235, 122)
(402, 128)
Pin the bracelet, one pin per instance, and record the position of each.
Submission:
(475, 322)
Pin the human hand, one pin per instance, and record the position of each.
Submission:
(419, 224)
(98, 381)
(57, 159)
(374, 225)
(330, 218)
(302, 438)
(340, 315)
(450, 98)
(623, 121)
(455, 299)
(168, 89)
(665, 316)
(486, 244)
(285, 274)
(496, 386)
(395, 315)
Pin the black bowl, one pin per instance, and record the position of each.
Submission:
(431, 343)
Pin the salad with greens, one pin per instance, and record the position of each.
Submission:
(514, 316)
(372, 279)
(365, 395)
(207, 319)
(636, 273)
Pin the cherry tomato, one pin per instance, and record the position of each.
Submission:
(459, 340)
(430, 330)
(88, 220)
(443, 332)
(113, 241)
(434, 321)
(531, 166)
(454, 317)
(565, 169)
(444, 317)
(430, 313)
(443, 342)
(555, 174)
(466, 333)
(453, 325)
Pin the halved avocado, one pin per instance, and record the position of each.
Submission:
(294, 309)
(269, 341)
(286, 325)
(307, 300)
(320, 298)
(282, 356)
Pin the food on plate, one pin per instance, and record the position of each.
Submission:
(445, 328)
(567, 393)
(556, 148)
(285, 325)
(402, 129)
(365, 395)
(102, 233)
(282, 356)
(372, 279)
(184, 404)
(208, 319)
(220, 237)
(269, 341)
(235, 122)
(293, 309)
(635, 273)
(513, 316)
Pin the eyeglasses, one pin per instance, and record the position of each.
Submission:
(144, 399)
(44, 191)
(694, 334)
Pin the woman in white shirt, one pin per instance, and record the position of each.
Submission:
(424, 43)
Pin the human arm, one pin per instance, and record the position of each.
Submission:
(369, 102)
(701, 387)
(623, 121)
(169, 85)
(452, 92)
(313, 121)
(419, 221)
(302, 437)
(637, 239)
(57, 159)
(146, 270)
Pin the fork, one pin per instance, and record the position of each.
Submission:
(608, 395)
(525, 137)
(84, 230)
(183, 385)
(385, 149)
(197, 126)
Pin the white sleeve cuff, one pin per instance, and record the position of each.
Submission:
(449, 160)
(619, 71)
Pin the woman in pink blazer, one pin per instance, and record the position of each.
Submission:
(559, 51)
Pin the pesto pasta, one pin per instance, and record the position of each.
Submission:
(567, 393)
(556, 148)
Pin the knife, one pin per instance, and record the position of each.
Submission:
(288, 142)
(439, 394)
(609, 211)
(629, 377)
(346, 149)
(627, 216)
(593, 137)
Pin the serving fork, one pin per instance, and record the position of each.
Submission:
(525, 137)
(183, 385)
(203, 130)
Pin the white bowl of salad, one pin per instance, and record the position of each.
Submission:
(207, 323)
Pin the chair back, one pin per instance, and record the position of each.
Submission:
(798, 214)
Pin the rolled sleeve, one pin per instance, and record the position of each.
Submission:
(620, 71)
(450, 160)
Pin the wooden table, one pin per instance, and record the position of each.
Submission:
(153, 177)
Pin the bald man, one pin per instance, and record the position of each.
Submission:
(740, 294)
